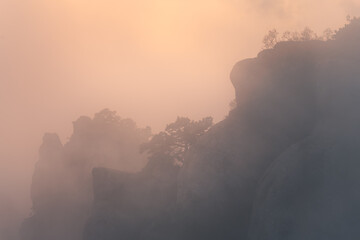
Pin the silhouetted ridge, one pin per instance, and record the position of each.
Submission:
(61, 188)
(281, 166)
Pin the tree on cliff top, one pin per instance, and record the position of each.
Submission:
(177, 138)
(272, 37)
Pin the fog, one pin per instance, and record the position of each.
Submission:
(150, 60)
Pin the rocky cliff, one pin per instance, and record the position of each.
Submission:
(311, 191)
(282, 165)
(133, 205)
(61, 189)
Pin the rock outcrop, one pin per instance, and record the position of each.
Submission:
(276, 109)
(133, 205)
(311, 191)
(282, 165)
(300, 178)
(61, 188)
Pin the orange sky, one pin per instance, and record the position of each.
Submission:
(150, 60)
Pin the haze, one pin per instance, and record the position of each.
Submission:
(149, 60)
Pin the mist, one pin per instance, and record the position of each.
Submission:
(150, 60)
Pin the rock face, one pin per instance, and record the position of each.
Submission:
(48, 194)
(311, 191)
(295, 173)
(133, 205)
(283, 164)
(218, 182)
(61, 189)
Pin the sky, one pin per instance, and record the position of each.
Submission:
(150, 60)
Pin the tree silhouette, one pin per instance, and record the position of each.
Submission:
(270, 39)
(176, 140)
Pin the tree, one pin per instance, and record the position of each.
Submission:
(287, 36)
(328, 34)
(307, 34)
(177, 139)
(270, 39)
(107, 116)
